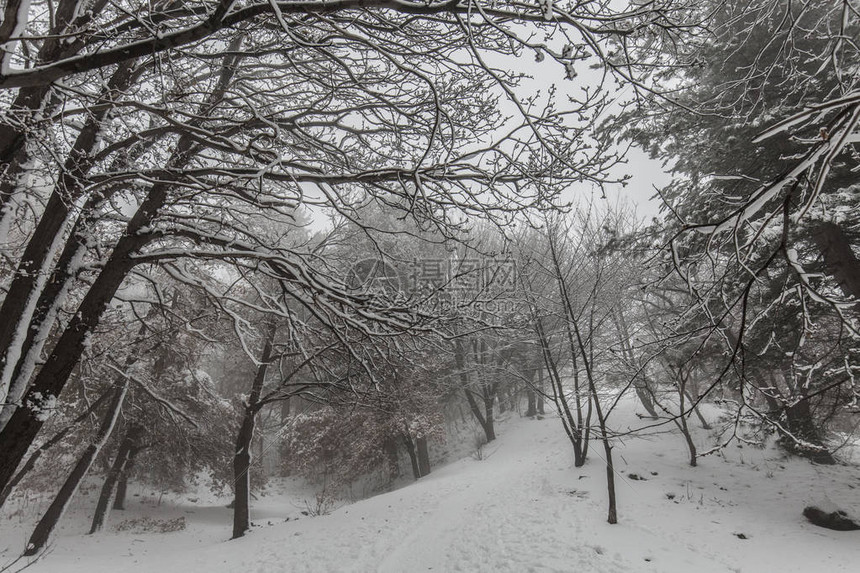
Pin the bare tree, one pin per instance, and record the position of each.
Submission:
(203, 117)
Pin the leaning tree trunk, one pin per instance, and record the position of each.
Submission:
(242, 458)
(23, 425)
(126, 447)
(30, 103)
(413, 455)
(572, 424)
(42, 532)
(485, 419)
(48, 237)
(57, 438)
(640, 380)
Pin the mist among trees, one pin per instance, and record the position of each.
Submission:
(342, 242)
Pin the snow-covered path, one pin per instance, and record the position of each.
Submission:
(524, 508)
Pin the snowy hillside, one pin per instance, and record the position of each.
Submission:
(524, 507)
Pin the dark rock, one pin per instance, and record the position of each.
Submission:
(837, 520)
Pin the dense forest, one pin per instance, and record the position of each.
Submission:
(339, 240)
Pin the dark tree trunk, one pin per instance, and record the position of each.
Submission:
(413, 456)
(19, 432)
(31, 100)
(242, 458)
(22, 428)
(572, 424)
(423, 456)
(50, 230)
(640, 381)
(485, 419)
(531, 398)
(693, 386)
(389, 447)
(839, 260)
(489, 422)
(540, 393)
(31, 461)
(122, 486)
(800, 433)
(45, 527)
(123, 455)
(612, 513)
(800, 424)
(286, 466)
(241, 471)
(587, 359)
(644, 395)
(681, 421)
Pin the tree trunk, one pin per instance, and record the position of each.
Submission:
(489, 423)
(21, 430)
(286, 469)
(413, 457)
(587, 359)
(45, 527)
(540, 393)
(242, 477)
(423, 456)
(801, 435)
(389, 447)
(242, 458)
(48, 236)
(31, 461)
(839, 260)
(486, 422)
(640, 381)
(702, 421)
(531, 398)
(612, 513)
(572, 425)
(681, 420)
(23, 426)
(30, 101)
(123, 455)
(800, 424)
(122, 486)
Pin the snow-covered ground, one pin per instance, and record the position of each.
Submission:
(524, 507)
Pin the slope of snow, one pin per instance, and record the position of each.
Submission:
(522, 508)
